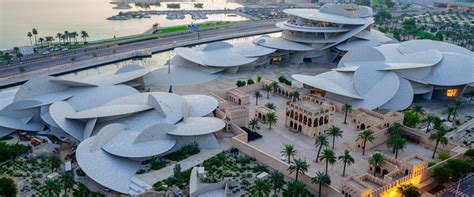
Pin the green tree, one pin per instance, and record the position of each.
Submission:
(458, 105)
(442, 174)
(257, 96)
(259, 78)
(321, 178)
(334, 132)
(29, 36)
(250, 81)
(277, 180)
(59, 36)
(274, 85)
(8, 187)
(268, 88)
(460, 168)
(347, 159)
(288, 151)
(365, 136)
(21, 69)
(376, 160)
(439, 137)
(469, 153)
(346, 108)
(270, 106)
(395, 128)
(430, 119)
(329, 157)
(451, 109)
(320, 141)
(254, 125)
(260, 188)
(294, 95)
(84, 36)
(68, 182)
(296, 188)
(397, 143)
(240, 83)
(51, 188)
(408, 190)
(271, 119)
(35, 33)
(177, 171)
(410, 118)
(418, 109)
(54, 162)
(81, 190)
(298, 166)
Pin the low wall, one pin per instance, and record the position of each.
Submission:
(251, 88)
(240, 142)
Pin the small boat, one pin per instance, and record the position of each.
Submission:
(173, 5)
(198, 5)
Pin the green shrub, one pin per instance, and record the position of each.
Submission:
(259, 78)
(250, 81)
(443, 156)
(431, 163)
(184, 152)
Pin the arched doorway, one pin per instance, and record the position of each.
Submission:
(362, 126)
(378, 170)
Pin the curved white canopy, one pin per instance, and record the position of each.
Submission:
(281, 44)
(455, 69)
(413, 46)
(402, 99)
(58, 112)
(342, 86)
(108, 111)
(194, 126)
(318, 15)
(200, 105)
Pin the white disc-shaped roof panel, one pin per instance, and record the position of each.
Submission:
(72, 83)
(249, 49)
(200, 105)
(38, 86)
(339, 83)
(194, 126)
(113, 78)
(316, 15)
(402, 99)
(101, 95)
(413, 46)
(414, 60)
(108, 170)
(217, 54)
(293, 27)
(109, 111)
(20, 124)
(362, 54)
(125, 144)
(379, 94)
(455, 69)
(367, 76)
(58, 112)
(6, 131)
(281, 44)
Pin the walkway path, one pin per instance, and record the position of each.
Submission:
(162, 174)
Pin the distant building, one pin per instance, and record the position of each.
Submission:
(454, 5)
(309, 115)
(26, 50)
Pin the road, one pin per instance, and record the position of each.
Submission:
(466, 189)
(155, 44)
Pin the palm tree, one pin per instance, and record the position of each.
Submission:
(81, 190)
(278, 181)
(294, 95)
(68, 36)
(418, 109)
(41, 41)
(296, 188)
(376, 160)
(458, 104)
(257, 96)
(289, 151)
(51, 188)
(68, 182)
(270, 106)
(334, 132)
(439, 137)
(397, 143)
(271, 119)
(49, 40)
(274, 85)
(74, 36)
(320, 142)
(298, 166)
(59, 36)
(347, 159)
(260, 188)
(65, 37)
(29, 36)
(366, 135)
(329, 156)
(84, 36)
(430, 118)
(346, 108)
(395, 128)
(253, 123)
(268, 88)
(54, 161)
(321, 178)
(451, 109)
(35, 32)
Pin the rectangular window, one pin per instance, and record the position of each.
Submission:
(452, 92)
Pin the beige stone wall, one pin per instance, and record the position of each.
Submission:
(240, 142)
